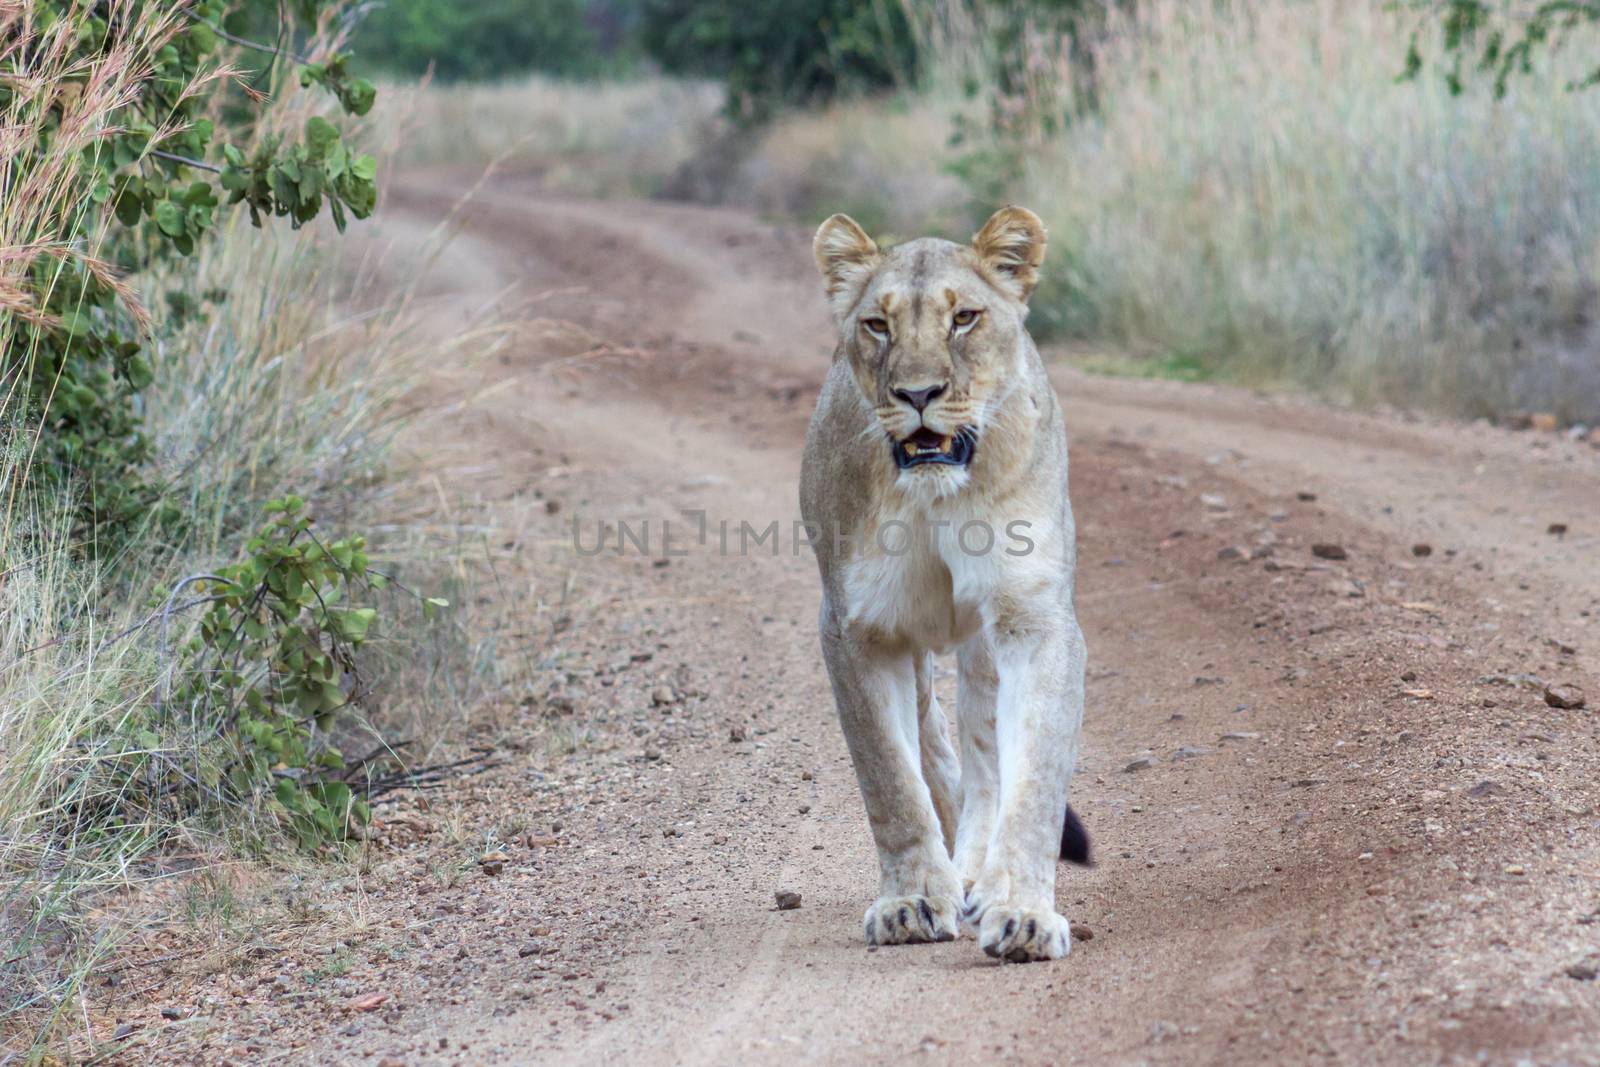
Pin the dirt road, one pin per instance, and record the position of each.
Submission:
(1326, 830)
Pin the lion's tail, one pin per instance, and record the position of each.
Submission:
(1075, 840)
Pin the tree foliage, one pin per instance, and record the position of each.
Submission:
(480, 39)
(1499, 40)
(773, 52)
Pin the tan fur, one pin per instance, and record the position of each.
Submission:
(975, 841)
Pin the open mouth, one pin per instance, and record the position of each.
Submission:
(930, 446)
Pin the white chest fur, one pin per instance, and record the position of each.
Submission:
(931, 575)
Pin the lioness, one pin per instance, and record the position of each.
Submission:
(934, 489)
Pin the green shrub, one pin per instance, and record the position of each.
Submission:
(772, 52)
(478, 40)
(271, 665)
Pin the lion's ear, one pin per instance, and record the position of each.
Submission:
(846, 256)
(1011, 247)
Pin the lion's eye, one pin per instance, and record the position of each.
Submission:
(965, 317)
(876, 327)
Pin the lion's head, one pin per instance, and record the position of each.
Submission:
(934, 332)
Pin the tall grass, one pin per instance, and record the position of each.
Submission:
(275, 386)
(1254, 191)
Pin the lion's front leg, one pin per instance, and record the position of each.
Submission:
(875, 688)
(1038, 709)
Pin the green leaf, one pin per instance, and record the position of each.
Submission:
(169, 218)
(353, 625)
(359, 97)
(203, 37)
(364, 167)
(320, 134)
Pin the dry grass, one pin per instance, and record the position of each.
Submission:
(885, 162)
(1257, 195)
(595, 139)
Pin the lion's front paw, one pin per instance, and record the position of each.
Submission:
(1021, 935)
(911, 920)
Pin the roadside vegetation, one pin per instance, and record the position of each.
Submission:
(197, 635)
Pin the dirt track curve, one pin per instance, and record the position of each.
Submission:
(1325, 831)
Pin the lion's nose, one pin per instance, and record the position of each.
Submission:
(920, 398)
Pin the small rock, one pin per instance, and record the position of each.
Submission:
(787, 899)
(1240, 735)
(391, 1061)
(1232, 554)
(1214, 501)
(1408, 676)
(530, 948)
(1582, 972)
(1516, 869)
(1567, 697)
(806, 776)
(1485, 788)
(1563, 647)
(121, 1032)
(1328, 550)
(1417, 694)
(492, 863)
(171, 1013)
(369, 1002)
(805, 809)
(1143, 763)
(662, 695)
(1305, 496)
(1081, 932)
(1421, 549)
(1190, 752)
(652, 753)
(1543, 422)
(1556, 529)
(736, 733)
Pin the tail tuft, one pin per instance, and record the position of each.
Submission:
(1075, 841)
